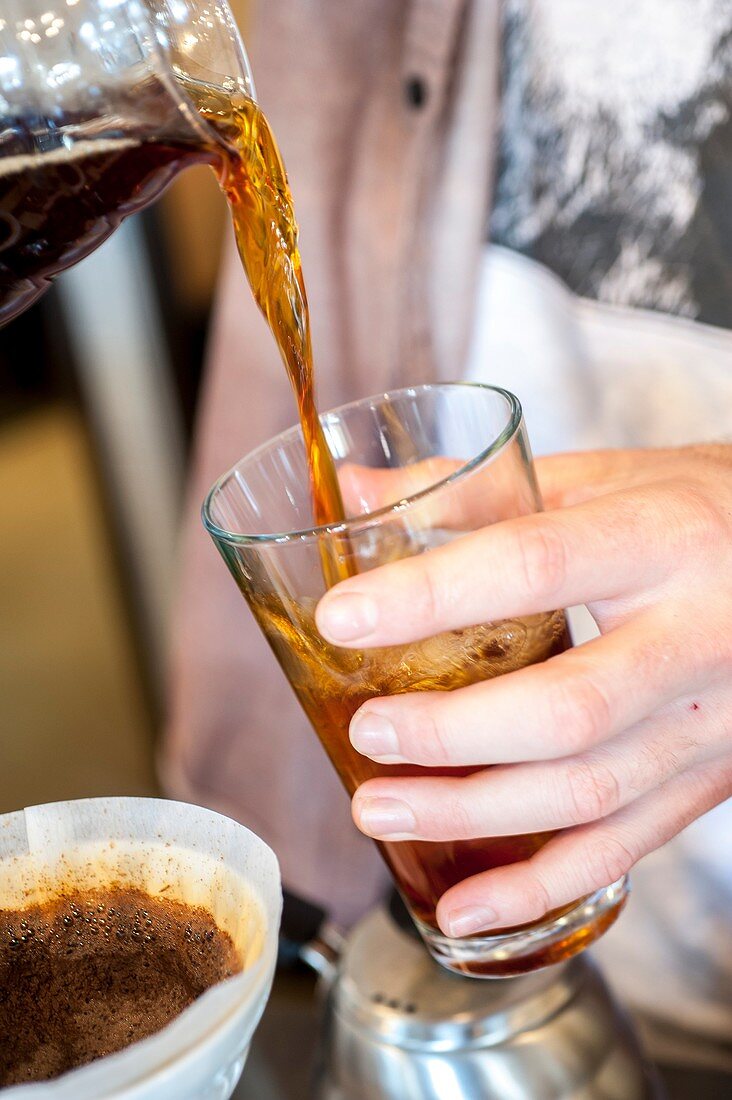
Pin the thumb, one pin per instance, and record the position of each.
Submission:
(567, 479)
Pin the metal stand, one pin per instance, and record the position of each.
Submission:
(399, 1027)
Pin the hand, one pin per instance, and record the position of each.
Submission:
(620, 742)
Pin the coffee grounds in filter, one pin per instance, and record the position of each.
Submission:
(88, 973)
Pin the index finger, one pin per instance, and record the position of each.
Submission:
(525, 566)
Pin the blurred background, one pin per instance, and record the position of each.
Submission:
(95, 428)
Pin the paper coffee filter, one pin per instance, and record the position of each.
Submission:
(176, 851)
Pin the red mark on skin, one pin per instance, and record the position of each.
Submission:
(694, 706)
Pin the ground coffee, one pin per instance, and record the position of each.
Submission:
(86, 974)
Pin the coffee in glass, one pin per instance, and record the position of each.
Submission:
(463, 451)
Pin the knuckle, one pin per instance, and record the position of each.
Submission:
(427, 740)
(536, 898)
(703, 523)
(542, 556)
(661, 758)
(455, 818)
(722, 652)
(608, 859)
(435, 591)
(593, 791)
(580, 713)
(684, 645)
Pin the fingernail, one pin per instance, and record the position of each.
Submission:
(473, 918)
(348, 617)
(373, 735)
(386, 817)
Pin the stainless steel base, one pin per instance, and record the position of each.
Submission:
(399, 1026)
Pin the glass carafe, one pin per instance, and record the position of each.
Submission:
(97, 114)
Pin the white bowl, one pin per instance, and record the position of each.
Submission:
(201, 858)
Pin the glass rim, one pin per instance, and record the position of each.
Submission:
(366, 519)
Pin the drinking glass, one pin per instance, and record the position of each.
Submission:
(418, 468)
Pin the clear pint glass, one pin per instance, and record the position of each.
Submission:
(444, 460)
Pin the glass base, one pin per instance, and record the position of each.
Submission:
(512, 953)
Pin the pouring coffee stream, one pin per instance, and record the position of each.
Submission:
(100, 107)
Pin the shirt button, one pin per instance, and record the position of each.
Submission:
(415, 91)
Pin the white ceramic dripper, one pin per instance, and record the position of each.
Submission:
(200, 858)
